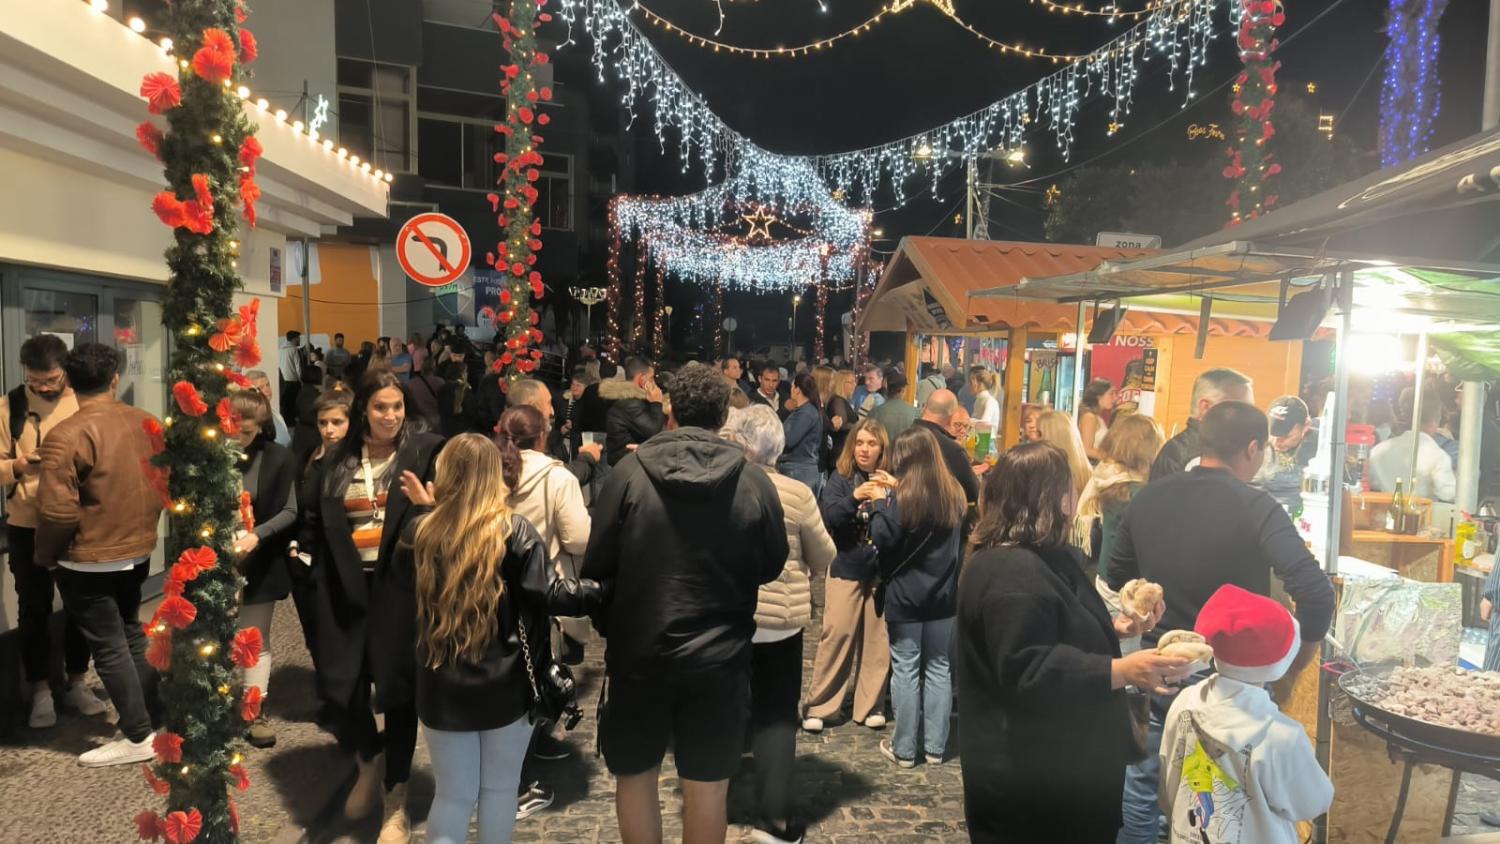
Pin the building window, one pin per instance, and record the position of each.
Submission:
(460, 153)
(377, 110)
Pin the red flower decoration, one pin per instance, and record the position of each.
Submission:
(147, 826)
(181, 573)
(245, 652)
(525, 114)
(159, 653)
(215, 38)
(188, 399)
(158, 785)
(169, 209)
(546, 93)
(247, 355)
(150, 138)
(241, 778)
(250, 152)
(543, 119)
(237, 379)
(168, 747)
(234, 818)
(177, 611)
(250, 708)
(161, 91)
(181, 827)
(249, 316)
(506, 317)
(202, 194)
(156, 433)
(201, 558)
(229, 421)
(214, 65)
(240, 13)
(228, 335)
(249, 50)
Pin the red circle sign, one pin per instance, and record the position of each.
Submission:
(433, 249)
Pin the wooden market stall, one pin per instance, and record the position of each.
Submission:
(929, 288)
(1346, 249)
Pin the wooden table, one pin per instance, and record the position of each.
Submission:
(1413, 557)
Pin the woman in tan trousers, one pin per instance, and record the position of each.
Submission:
(854, 648)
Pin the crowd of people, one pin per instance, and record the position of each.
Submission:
(449, 537)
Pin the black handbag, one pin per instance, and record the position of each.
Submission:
(554, 695)
(1138, 707)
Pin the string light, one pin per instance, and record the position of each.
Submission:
(1108, 11)
(638, 327)
(208, 649)
(1410, 94)
(137, 25)
(1180, 34)
(612, 292)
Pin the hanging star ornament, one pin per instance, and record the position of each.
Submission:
(760, 224)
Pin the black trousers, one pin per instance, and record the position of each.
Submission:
(106, 607)
(289, 391)
(34, 609)
(775, 688)
(356, 732)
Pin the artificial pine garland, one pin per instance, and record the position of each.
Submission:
(209, 154)
(1251, 166)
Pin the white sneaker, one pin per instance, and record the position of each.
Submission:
(812, 725)
(121, 751)
(43, 711)
(875, 722)
(82, 698)
(397, 826)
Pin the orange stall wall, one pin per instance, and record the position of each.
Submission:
(1275, 367)
(346, 300)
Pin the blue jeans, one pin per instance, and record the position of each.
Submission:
(479, 767)
(921, 686)
(1142, 818)
(805, 472)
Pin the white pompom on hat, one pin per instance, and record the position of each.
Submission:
(1254, 638)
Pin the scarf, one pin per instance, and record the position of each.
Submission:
(1107, 475)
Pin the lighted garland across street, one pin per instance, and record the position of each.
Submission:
(209, 153)
(1177, 35)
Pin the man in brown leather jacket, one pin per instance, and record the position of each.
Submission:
(97, 528)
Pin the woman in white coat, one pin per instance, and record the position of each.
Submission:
(547, 494)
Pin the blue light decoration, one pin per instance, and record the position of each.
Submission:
(1174, 34)
(1410, 96)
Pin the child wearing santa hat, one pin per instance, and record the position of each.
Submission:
(1233, 768)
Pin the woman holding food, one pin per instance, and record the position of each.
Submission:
(1041, 682)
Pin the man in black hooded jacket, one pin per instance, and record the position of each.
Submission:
(686, 531)
(635, 411)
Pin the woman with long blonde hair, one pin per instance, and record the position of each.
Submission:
(1057, 428)
(1126, 451)
(484, 589)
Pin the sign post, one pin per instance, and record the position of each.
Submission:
(1127, 240)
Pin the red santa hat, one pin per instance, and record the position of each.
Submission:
(1254, 638)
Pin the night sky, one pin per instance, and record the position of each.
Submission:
(919, 69)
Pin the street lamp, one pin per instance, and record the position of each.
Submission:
(792, 326)
(589, 297)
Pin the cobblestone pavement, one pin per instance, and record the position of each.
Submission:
(844, 789)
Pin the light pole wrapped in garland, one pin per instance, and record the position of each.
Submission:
(1251, 166)
(515, 256)
(209, 154)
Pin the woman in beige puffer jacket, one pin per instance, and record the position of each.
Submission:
(783, 609)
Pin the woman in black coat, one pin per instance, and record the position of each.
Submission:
(1046, 732)
(267, 473)
(365, 628)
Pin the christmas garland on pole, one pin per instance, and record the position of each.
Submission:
(521, 165)
(209, 153)
(1251, 166)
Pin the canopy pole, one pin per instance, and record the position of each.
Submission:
(1416, 413)
(1323, 741)
(1471, 428)
(1080, 340)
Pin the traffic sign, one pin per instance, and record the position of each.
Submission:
(433, 249)
(730, 324)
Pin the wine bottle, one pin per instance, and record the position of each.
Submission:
(1395, 512)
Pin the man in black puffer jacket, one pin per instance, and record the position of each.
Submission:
(635, 411)
(686, 531)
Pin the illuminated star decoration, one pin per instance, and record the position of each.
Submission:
(760, 224)
(319, 115)
(1053, 195)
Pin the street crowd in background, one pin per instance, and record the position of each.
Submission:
(449, 537)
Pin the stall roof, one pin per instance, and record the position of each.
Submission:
(929, 280)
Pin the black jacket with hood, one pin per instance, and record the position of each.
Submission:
(631, 421)
(1179, 451)
(686, 531)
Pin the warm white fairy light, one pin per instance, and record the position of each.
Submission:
(262, 103)
(166, 44)
(242, 92)
(136, 24)
(280, 115)
(100, 6)
(296, 126)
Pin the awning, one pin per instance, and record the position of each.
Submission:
(928, 282)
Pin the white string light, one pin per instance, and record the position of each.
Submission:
(1179, 34)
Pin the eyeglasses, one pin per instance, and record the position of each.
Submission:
(52, 383)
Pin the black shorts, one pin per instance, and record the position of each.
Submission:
(701, 716)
